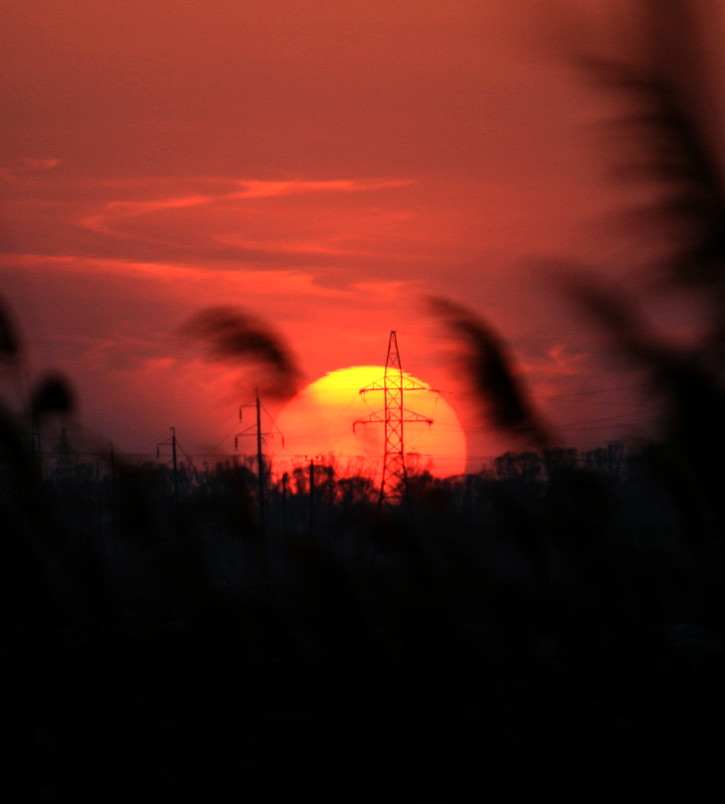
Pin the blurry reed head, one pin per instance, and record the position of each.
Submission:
(683, 381)
(52, 396)
(615, 313)
(608, 308)
(232, 335)
(672, 152)
(492, 374)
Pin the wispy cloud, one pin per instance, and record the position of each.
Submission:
(268, 189)
(27, 166)
(115, 211)
(559, 362)
(257, 283)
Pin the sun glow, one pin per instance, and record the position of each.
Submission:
(319, 424)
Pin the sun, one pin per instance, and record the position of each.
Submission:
(318, 424)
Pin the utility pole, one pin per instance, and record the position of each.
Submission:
(394, 483)
(261, 468)
(312, 497)
(285, 482)
(174, 462)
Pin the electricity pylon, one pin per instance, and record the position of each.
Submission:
(65, 455)
(394, 483)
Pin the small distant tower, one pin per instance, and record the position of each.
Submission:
(65, 457)
(394, 483)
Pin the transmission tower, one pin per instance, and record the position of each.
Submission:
(394, 385)
(65, 456)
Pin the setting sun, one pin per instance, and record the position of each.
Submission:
(318, 423)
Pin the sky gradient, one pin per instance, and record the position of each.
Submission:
(327, 167)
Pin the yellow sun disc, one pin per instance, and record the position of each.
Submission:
(319, 424)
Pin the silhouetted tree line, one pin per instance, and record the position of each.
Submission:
(554, 623)
(325, 491)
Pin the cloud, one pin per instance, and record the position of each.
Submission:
(214, 222)
(120, 210)
(180, 282)
(386, 290)
(251, 189)
(27, 166)
(558, 363)
(40, 165)
(267, 189)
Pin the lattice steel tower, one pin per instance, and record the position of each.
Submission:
(394, 483)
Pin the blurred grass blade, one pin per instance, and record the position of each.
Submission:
(233, 335)
(674, 153)
(53, 396)
(9, 340)
(491, 371)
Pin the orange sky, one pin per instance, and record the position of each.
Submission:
(324, 165)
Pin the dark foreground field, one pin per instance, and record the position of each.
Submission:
(552, 620)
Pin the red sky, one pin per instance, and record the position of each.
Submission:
(325, 166)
